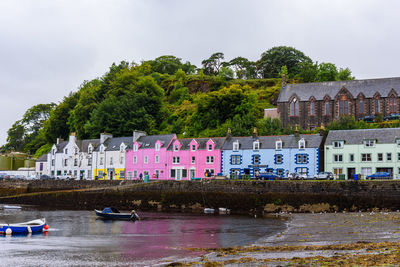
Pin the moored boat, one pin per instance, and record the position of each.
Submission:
(209, 211)
(35, 226)
(12, 207)
(114, 214)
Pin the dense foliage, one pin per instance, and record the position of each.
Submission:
(165, 95)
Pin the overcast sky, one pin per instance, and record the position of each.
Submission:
(49, 47)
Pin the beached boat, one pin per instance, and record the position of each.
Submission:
(35, 226)
(224, 211)
(9, 207)
(114, 214)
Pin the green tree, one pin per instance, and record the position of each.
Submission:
(244, 69)
(308, 72)
(327, 72)
(273, 59)
(213, 64)
(345, 74)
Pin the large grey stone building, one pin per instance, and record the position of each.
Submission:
(310, 105)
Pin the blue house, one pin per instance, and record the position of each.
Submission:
(277, 154)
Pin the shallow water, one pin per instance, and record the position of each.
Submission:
(78, 238)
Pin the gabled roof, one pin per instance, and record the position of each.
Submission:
(84, 144)
(60, 147)
(43, 158)
(269, 142)
(113, 144)
(150, 140)
(319, 90)
(354, 137)
(202, 142)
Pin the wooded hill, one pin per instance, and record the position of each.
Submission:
(164, 95)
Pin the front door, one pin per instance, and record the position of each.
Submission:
(350, 173)
(178, 174)
(111, 175)
(81, 174)
(192, 174)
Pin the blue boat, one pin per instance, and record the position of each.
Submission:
(31, 227)
(114, 214)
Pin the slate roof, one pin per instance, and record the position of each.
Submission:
(43, 158)
(319, 90)
(219, 141)
(354, 137)
(113, 144)
(269, 142)
(84, 144)
(150, 140)
(60, 146)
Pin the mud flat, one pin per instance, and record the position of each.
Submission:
(329, 239)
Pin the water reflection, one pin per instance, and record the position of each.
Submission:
(79, 238)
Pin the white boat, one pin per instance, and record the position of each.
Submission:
(209, 210)
(12, 207)
(224, 211)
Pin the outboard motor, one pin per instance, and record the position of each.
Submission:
(134, 216)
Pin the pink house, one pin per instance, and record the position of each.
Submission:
(193, 158)
(149, 156)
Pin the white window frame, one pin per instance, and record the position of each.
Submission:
(302, 143)
(369, 143)
(157, 159)
(175, 160)
(389, 156)
(158, 147)
(135, 148)
(210, 159)
(235, 146)
(338, 144)
(121, 160)
(134, 160)
(235, 159)
(337, 158)
(146, 160)
(350, 156)
(256, 145)
(193, 160)
(193, 147)
(278, 145)
(379, 157)
(111, 161)
(209, 147)
(280, 157)
(176, 147)
(366, 157)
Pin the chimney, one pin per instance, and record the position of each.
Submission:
(228, 133)
(255, 135)
(137, 134)
(58, 141)
(104, 137)
(284, 80)
(72, 137)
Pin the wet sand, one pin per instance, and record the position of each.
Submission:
(328, 239)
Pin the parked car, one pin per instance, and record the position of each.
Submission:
(268, 176)
(324, 176)
(392, 117)
(379, 175)
(46, 177)
(370, 118)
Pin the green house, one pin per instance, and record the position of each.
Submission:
(363, 152)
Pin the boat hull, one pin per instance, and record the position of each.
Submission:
(114, 216)
(35, 226)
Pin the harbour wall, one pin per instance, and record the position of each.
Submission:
(194, 196)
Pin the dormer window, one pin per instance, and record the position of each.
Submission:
(256, 145)
(338, 144)
(135, 147)
(369, 143)
(193, 148)
(209, 147)
(278, 144)
(90, 150)
(176, 147)
(398, 142)
(236, 146)
(66, 151)
(302, 143)
(102, 149)
(75, 151)
(157, 147)
(53, 151)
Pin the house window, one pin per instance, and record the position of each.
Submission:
(361, 107)
(343, 107)
(392, 105)
(173, 172)
(90, 150)
(129, 175)
(338, 144)
(175, 160)
(256, 159)
(278, 145)
(176, 147)
(398, 156)
(235, 159)
(193, 147)
(53, 151)
(111, 161)
(65, 162)
(210, 172)
(75, 151)
(337, 171)
(294, 107)
(301, 171)
(366, 171)
(101, 174)
(301, 158)
(389, 156)
(121, 148)
(278, 159)
(121, 174)
(121, 160)
(377, 106)
(366, 157)
(135, 147)
(209, 147)
(193, 159)
(75, 162)
(75, 173)
(256, 145)
(338, 158)
(184, 173)
(134, 159)
(157, 147)
(89, 174)
(302, 143)
(52, 162)
(66, 151)
(157, 173)
(380, 156)
(351, 157)
(146, 159)
(369, 143)
(327, 108)
(236, 146)
(312, 108)
(134, 174)
(210, 159)
(157, 159)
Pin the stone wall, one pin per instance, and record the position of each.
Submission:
(239, 196)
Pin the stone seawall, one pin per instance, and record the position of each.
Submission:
(192, 196)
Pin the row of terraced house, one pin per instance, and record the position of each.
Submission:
(164, 157)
